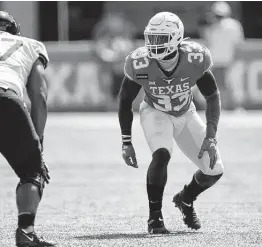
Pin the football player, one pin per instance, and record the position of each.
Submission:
(22, 66)
(167, 68)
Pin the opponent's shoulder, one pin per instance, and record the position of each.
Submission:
(37, 47)
(136, 62)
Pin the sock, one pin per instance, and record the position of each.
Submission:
(155, 197)
(156, 179)
(193, 189)
(26, 220)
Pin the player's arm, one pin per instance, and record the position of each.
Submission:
(208, 87)
(129, 91)
(37, 93)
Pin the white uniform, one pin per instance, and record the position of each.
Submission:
(17, 56)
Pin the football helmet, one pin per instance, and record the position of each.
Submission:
(8, 23)
(163, 34)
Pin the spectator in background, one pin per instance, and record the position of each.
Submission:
(222, 35)
(114, 36)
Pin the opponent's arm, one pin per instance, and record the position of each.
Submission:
(37, 93)
(128, 93)
(208, 88)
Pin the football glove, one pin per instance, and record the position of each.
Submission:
(209, 145)
(129, 155)
(46, 173)
(45, 170)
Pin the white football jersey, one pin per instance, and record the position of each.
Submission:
(17, 56)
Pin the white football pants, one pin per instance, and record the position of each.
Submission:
(188, 131)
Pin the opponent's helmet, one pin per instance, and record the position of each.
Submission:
(8, 23)
(163, 34)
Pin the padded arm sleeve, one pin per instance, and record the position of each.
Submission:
(128, 93)
(207, 86)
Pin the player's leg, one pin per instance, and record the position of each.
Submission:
(190, 140)
(23, 152)
(158, 131)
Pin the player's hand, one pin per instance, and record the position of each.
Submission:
(129, 155)
(46, 174)
(209, 145)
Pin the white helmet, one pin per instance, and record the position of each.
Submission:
(163, 34)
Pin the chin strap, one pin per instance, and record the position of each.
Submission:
(169, 64)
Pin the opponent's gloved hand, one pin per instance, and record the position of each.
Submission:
(45, 173)
(45, 170)
(209, 145)
(129, 155)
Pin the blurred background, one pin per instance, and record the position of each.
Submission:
(88, 41)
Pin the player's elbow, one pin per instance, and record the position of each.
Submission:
(214, 96)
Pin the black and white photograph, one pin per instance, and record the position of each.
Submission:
(131, 123)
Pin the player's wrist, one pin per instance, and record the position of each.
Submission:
(212, 139)
(211, 131)
(126, 140)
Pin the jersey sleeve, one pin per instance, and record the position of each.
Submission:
(128, 68)
(41, 52)
(208, 63)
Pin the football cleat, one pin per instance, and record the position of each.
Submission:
(187, 209)
(156, 224)
(24, 239)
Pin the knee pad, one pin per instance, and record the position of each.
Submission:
(36, 180)
(206, 180)
(161, 157)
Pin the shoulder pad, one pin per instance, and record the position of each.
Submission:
(42, 52)
(39, 49)
(191, 46)
(197, 54)
(136, 61)
(139, 52)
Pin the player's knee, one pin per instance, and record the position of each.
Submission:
(161, 157)
(36, 180)
(207, 180)
(217, 170)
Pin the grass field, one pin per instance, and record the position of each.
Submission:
(94, 199)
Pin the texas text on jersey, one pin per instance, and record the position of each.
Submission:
(17, 56)
(169, 91)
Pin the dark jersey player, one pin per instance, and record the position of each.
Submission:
(22, 65)
(167, 68)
